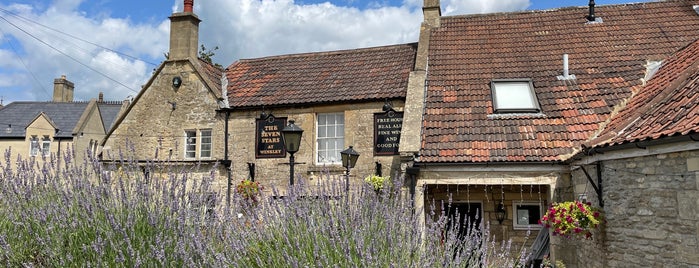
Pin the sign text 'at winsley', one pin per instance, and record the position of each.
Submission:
(268, 138)
(387, 128)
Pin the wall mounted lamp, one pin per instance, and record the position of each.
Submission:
(500, 212)
(387, 106)
(176, 82)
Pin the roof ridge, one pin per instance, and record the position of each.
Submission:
(552, 9)
(329, 52)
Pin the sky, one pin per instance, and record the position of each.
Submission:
(113, 46)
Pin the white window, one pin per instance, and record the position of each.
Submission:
(330, 138)
(527, 215)
(34, 146)
(514, 96)
(190, 144)
(205, 143)
(46, 146)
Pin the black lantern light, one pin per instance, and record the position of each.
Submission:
(500, 212)
(291, 136)
(176, 82)
(349, 159)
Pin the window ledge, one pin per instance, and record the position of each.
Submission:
(336, 168)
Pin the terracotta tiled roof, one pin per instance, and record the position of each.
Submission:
(315, 78)
(667, 106)
(213, 74)
(467, 52)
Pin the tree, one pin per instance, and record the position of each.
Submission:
(207, 54)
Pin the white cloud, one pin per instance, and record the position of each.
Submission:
(454, 7)
(240, 28)
(50, 54)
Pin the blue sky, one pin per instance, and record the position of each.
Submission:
(112, 46)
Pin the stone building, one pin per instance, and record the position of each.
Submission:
(512, 111)
(193, 114)
(518, 108)
(35, 130)
(339, 98)
(645, 161)
(174, 118)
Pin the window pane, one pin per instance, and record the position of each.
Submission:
(322, 132)
(330, 137)
(190, 144)
(205, 146)
(322, 119)
(34, 146)
(513, 95)
(46, 146)
(527, 215)
(340, 131)
(340, 119)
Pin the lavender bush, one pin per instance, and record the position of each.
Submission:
(57, 213)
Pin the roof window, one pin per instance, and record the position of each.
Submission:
(514, 96)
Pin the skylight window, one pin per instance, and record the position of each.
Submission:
(514, 96)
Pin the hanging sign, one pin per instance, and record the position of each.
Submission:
(268, 137)
(387, 128)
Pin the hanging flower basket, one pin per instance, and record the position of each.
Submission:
(378, 183)
(572, 219)
(249, 190)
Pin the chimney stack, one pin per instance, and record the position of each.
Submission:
(63, 90)
(184, 33)
(100, 97)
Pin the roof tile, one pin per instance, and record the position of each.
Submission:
(348, 75)
(608, 59)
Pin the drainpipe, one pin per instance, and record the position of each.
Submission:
(599, 183)
(226, 161)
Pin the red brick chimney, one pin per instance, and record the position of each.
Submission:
(184, 33)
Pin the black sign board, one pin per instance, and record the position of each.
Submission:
(268, 138)
(387, 128)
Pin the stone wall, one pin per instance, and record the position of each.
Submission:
(651, 210)
(274, 172)
(154, 126)
(157, 119)
(571, 250)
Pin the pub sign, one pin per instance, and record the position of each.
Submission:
(268, 137)
(387, 128)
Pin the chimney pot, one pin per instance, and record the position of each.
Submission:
(189, 6)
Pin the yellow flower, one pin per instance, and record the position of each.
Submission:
(377, 182)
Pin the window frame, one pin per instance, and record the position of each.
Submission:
(46, 146)
(515, 215)
(34, 147)
(341, 139)
(532, 95)
(201, 142)
(187, 143)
